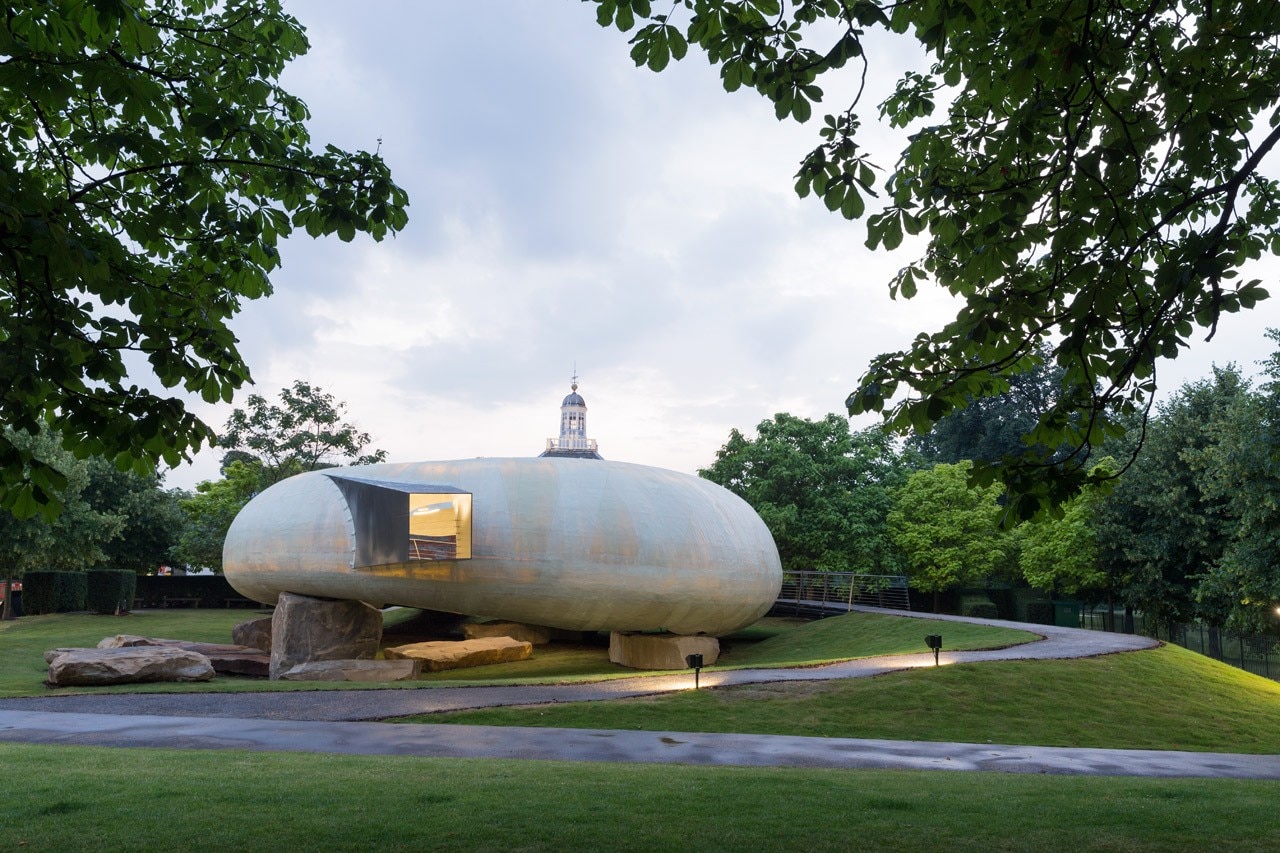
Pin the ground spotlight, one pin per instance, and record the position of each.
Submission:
(695, 663)
(934, 641)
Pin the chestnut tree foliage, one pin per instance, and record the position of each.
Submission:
(150, 163)
(1086, 175)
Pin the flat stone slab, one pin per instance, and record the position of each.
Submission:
(441, 655)
(227, 659)
(534, 634)
(354, 670)
(139, 664)
(660, 651)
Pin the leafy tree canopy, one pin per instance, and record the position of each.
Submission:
(151, 519)
(150, 163)
(1061, 555)
(303, 432)
(1240, 471)
(1166, 525)
(1085, 175)
(74, 540)
(822, 491)
(988, 429)
(948, 529)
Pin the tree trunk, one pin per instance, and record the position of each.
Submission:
(7, 614)
(1109, 620)
(1215, 643)
(937, 601)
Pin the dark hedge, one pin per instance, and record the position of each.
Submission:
(53, 592)
(108, 589)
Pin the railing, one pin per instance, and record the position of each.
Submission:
(1256, 653)
(589, 444)
(827, 591)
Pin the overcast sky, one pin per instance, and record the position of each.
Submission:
(568, 208)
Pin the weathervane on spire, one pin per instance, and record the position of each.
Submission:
(574, 384)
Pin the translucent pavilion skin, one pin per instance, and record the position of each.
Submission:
(569, 543)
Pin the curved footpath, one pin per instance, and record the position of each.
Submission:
(336, 721)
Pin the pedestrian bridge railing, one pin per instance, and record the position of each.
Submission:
(828, 591)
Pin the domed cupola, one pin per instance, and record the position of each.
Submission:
(573, 439)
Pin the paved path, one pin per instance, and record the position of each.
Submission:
(326, 721)
(613, 745)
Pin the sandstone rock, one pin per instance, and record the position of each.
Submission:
(227, 659)
(533, 634)
(304, 630)
(445, 654)
(353, 670)
(660, 651)
(53, 653)
(128, 641)
(237, 660)
(254, 632)
(127, 666)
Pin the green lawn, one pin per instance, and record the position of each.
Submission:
(1165, 698)
(78, 798)
(772, 642)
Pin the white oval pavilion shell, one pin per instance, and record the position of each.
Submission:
(568, 543)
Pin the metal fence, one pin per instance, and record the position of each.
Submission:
(1256, 653)
(803, 591)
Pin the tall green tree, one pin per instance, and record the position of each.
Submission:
(149, 167)
(822, 491)
(74, 540)
(1241, 467)
(151, 518)
(1085, 175)
(949, 529)
(1060, 555)
(303, 432)
(1164, 527)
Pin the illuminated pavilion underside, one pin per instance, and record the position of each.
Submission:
(567, 543)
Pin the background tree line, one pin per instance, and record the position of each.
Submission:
(1187, 532)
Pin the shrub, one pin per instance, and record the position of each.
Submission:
(107, 589)
(981, 610)
(1040, 612)
(53, 592)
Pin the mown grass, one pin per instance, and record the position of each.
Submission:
(863, 635)
(772, 642)
(1165, 698)
(60, 798)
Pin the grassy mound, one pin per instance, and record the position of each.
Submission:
(864, 635)
(1165, 698)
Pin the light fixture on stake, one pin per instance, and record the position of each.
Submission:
(694, 663)
(934, 641)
